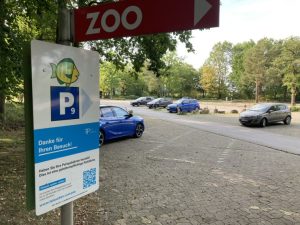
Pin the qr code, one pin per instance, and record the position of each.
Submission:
(89, 178)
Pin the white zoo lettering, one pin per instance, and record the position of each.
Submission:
(137, 22)
(93, 29)
(94, 17)
(116, 15)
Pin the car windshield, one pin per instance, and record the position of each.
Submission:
(179, 101)
(156, 100)
(141, 98)
(259, 108)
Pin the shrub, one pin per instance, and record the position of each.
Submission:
(234, 111)
(204, 111)
(295, 109)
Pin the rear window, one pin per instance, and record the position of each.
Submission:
(281, 107)
(106, 112)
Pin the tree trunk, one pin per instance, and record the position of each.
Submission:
(2, 107)
(293, 97)
(256, 91)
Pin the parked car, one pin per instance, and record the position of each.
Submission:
(116, 122)
(159, 102)
(184, 105)
(265, 113)
(141, 101)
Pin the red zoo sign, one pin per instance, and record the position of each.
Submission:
(138, 17)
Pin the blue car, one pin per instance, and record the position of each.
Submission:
(115, 122)
(184, 105)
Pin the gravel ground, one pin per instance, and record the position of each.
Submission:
(227, 118)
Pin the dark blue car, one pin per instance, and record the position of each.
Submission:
(184, 105)
(115, 122)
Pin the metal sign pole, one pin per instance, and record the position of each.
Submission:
(67, 214)
(64, 38)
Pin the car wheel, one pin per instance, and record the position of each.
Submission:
(139, 130)
(101, 137)
(263, 122)
(287, 120)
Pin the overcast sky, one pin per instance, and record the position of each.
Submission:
(242, 20)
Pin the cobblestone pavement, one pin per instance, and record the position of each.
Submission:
(178, 175)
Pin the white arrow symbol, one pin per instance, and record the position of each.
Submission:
(87, 102)
(200, 10)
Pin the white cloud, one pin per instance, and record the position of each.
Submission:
(242, 20)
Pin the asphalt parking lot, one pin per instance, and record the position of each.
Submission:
(179, 174)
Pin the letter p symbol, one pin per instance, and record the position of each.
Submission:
(66, 101)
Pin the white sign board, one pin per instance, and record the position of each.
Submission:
(66, 123)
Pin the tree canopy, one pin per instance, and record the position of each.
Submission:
(268, 69)
(22, 21)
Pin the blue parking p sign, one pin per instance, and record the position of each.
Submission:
(64, 103)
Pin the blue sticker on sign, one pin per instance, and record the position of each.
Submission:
(64, 103)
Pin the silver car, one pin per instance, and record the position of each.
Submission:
(265, 113)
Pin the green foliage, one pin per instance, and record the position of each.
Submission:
(116, 82)
(240, 87)
(291, 57)
(240, 71)
(209, 81)
(220, 60)
(14, 116)
(147, 65)
(140, 49)
(20, 21)
(258, 61)
(295, 109)
(177, 80)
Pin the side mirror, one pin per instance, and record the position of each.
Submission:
(271, 110)
(130, 112)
